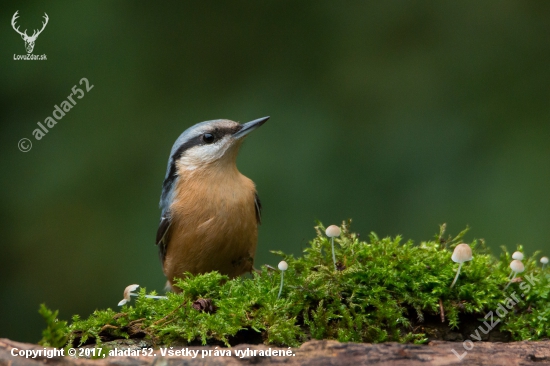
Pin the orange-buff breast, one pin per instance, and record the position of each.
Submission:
(214, 225)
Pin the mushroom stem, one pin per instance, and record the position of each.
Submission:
(333, 255)
(150, 296)
(281, 288)
(457, 273)
(511, 273)
(515, 273)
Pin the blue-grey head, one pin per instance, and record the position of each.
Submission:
(201, 145)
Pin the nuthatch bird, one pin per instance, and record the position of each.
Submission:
(210, 211)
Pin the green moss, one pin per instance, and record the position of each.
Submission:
(56, 332)
(383, 287)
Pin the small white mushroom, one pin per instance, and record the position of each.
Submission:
(331, 232)
(127, 293)
(283, 266)
(517, 267)
(461, 254)
(518, 256)
(544, 261)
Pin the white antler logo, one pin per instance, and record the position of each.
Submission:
(29, 41)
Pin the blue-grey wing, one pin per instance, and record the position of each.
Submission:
(166, 197)
(162, 236)
(258, 206)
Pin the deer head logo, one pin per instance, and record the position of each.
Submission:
(29, 41)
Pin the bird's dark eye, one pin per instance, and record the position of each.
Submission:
(208, 138)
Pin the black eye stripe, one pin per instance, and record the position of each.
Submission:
(218, 133)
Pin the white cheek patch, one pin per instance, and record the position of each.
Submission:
(203, 154)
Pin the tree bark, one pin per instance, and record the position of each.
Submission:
(311, 353)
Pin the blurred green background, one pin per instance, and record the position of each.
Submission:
(400, 115)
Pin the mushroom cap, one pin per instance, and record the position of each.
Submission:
(128, 290)
(283, 266)
(518, 256)
(517, 266)
(544, 260)
(333, 231)
(462, 253)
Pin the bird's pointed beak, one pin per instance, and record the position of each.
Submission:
(249, 127)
